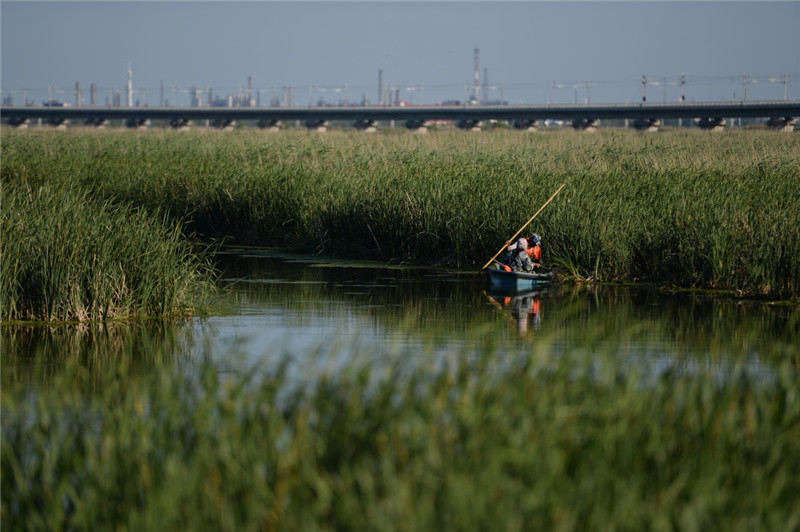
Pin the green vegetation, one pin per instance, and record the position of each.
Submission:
(541, 432)
(688, 208)
(552, 440)
(68, 256)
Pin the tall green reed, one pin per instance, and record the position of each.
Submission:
(681, 207)
(68, 256)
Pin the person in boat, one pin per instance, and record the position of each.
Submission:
(535, 250)
(518, 258)
(524, 255)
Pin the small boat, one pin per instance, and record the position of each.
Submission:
(501, 280)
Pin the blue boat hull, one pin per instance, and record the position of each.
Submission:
(503, 281)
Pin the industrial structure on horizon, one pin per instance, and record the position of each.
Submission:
(471, 112)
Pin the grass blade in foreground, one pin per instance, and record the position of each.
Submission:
(573, 441)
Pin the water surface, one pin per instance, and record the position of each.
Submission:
(324, 314)
(305, 304)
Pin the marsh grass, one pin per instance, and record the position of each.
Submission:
(547, 441)
(69, 256)
(681, 207)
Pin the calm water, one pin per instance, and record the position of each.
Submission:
(323, 314)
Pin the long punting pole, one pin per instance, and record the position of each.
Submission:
(523, 227)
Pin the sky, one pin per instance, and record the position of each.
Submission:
(529, 52)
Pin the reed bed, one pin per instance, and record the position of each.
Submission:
(550, 440)
(69, 256)
(688, 208)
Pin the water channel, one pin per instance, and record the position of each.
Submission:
(324, 314)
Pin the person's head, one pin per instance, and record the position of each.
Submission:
(536, 239)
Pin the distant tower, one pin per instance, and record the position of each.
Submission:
(485, 98)
(93, 94)
(380, 87)
(476, 87)
(129, 87)
(195, 97)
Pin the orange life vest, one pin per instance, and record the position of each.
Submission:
(535, 253)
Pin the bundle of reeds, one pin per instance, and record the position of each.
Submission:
(70, 256)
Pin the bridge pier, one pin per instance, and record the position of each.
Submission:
(419, 126)
(782, 123)
(180, 124)
(366, 125)
(19, 122)
(57, 123)
(585, 124)
(526, 124)
(225, 124)
(137, 123)
(470, 124)
(710, 123)
(646, 124)
(269, 125)
(97, 123)
(317, 124)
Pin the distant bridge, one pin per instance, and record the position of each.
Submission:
(780, 114)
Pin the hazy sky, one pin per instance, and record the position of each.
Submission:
(592, 50)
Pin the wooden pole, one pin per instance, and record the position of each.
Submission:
(523, 227)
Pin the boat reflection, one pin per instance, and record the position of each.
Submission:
(523, 309)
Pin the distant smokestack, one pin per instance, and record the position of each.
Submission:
(485, 95)
(476, 88)
(129, 87)
(380, 87)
